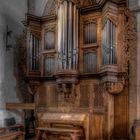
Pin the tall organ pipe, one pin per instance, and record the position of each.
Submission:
(74, 38)
(70, 36)
(67, 35)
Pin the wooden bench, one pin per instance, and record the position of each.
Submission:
(12, 135)
(45, 130)
(2, 130)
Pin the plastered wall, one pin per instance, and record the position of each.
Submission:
(12, 12)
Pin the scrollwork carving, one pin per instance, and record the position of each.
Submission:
(116, 88)
(50, 8)
(67, 95)
(130, 38)
(33, 87)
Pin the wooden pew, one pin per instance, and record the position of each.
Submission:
(12, 135)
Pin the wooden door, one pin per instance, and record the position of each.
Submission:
(121, 120)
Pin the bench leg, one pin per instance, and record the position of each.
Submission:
(38, 135)
(21, 137)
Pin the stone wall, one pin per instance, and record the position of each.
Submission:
(11, 15)
(36, 7)
(134, 89)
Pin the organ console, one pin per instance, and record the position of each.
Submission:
(63, 125)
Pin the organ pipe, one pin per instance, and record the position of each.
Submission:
(34, 52)
(70, 47)
(68, 35)
(109, 41)
(76, 43)
(74, 37)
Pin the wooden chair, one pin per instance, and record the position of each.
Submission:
(11, 124)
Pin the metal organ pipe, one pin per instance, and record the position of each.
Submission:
(114, 44)
(109, 40)
(31, 51)
(68, 35)
(111, 43)
(74, 38)
(76, 43)
(60, 35)
(92, 31)
(65, 34)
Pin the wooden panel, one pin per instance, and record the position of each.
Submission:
(52, 96)
(90, 62)
(96, 127)
(49, 40)
(25, 106)
(98, 96)
(42, 96)
(121, 115)
(137, 133)
(84, 96)
(49, 66)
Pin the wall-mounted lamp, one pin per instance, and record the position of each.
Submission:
(8, 38)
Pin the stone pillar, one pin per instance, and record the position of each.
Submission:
(138, 66)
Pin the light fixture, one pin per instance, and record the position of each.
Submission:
(8, 38)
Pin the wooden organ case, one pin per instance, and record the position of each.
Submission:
(76, 68)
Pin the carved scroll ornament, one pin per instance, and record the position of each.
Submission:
(67, 95)
(33, 87)
(115, 88)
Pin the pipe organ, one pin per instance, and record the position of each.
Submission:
(75, 70)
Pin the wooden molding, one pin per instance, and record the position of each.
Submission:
(24, 106)
(12, 135)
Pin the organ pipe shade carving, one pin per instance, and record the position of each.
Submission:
(49, 66)
(49, 40)
(90, 33)
(34, 52)
(90, 62)
(68, 35)
(109, 43)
